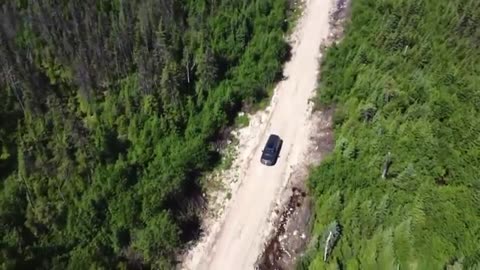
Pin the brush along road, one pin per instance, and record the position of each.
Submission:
(243, 229)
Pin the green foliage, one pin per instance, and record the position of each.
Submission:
(109, 110)
(166, 233)
(404, 81)
(241, 121)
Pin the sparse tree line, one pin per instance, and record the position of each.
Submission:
(109, 110)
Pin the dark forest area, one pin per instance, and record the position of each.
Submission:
(110, 110)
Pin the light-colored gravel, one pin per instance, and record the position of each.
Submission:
(235, 236)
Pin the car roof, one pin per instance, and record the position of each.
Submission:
(272, 139)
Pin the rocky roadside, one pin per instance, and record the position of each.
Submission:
(292, 230)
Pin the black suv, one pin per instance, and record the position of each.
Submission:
(271, 150)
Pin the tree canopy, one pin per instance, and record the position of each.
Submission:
(109, 110)
(403, 180)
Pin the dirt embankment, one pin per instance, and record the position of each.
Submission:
(291, 233)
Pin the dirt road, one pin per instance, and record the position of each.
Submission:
(242, 230)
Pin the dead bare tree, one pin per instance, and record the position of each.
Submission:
(386, 165)
(14, 85)
(332, 238)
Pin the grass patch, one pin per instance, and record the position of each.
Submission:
(295, 13)
(263, 103)
(213, 180)
(228, 155)
(241, 120)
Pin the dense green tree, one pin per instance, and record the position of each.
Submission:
(109, 110)
(403, 179)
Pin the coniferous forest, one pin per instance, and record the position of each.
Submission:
(109, 113)
(401, 189)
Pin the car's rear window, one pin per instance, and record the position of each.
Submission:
(271, 142)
